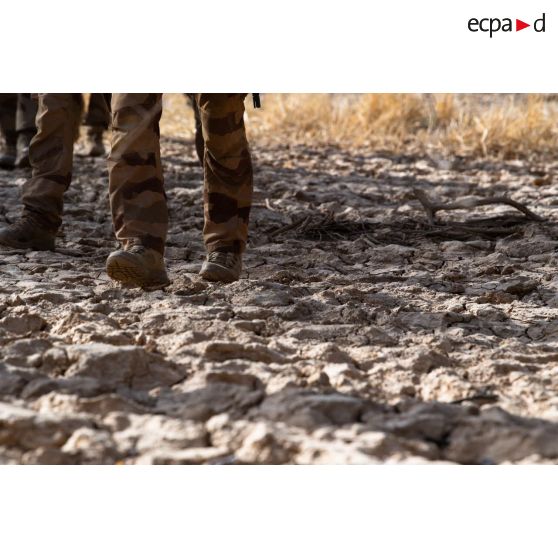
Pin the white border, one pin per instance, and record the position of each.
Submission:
(278, 511)
(273, 46)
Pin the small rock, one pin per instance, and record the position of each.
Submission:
(310, 410)
(22, 325)
(192, 456)
(91, 446)
(257, 352)
(122, 366)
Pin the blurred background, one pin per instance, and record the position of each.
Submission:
(507, 126)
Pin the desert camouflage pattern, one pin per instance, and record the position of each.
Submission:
(137, 196)
(52, 148)
(51, 155)
(228, 174)
(17, 115)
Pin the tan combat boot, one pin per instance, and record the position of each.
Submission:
(27, 234)
(222, 266)
(94, 146)
(138, 266)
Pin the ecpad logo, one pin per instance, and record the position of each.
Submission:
(493, 25)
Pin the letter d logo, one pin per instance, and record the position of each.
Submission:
(540, 24)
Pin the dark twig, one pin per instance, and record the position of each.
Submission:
(286, 228)
(432, 207)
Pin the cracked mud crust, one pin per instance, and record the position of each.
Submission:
(362, 334)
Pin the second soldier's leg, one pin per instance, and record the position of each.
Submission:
(198, 129)
(51, 154)
(228, 184)
(96, 121)
(98, 111)
(137, 196)
(8, 107)
(26, 114)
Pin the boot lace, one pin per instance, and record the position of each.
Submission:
(227, 259)
(135, 246)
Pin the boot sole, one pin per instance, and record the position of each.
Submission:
(217, 273)
(126, 271)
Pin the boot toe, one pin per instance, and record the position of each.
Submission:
(130, 271)
(41, 241)
(213, 272)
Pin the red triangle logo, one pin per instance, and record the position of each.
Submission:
(519, 25)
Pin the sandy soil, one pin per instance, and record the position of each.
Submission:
(358, 334)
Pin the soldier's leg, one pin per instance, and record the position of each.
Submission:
(25, 126)
(228, 182)
(96, 121)
(51, 154)
(8, 108)
(137, 196)
(98, 111)
(198, 131)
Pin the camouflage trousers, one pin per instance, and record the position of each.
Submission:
(51, 155)
(138, 201)
(17, 115)
(19, 110)
(137, 195)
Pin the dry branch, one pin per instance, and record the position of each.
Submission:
(295, 224)
(432, 207)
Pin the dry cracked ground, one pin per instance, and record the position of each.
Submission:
(359, 333)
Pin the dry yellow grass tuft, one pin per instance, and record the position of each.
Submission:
(481, 124)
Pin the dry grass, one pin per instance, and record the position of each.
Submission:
(497, 125)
